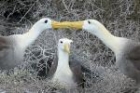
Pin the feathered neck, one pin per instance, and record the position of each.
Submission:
(63, 60)
(111, 41)
(29, 37)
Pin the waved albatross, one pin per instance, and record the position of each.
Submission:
(66, 74)
(12, 47)
(127, 51)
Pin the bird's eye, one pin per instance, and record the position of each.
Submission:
(61, 42)
(46, 21)
(89, 22)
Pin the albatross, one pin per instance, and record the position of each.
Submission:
(127, 51)
(12, 47)
(66, 74)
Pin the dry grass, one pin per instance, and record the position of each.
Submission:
(121, 17)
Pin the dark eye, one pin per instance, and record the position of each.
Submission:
(61, 41)
(89, 22)
(46, 21)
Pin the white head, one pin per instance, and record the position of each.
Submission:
(43, 24)
(90, 25)
(64, 45)
(47, 23)
(98, 29)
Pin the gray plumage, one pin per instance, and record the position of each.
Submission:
(76, 68)
(127, 51)
(128, 61)
(81, 72)
(10, 54)
(12, 47)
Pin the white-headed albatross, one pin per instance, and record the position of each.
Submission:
(63, 73)
(127, 51)
(12, 47)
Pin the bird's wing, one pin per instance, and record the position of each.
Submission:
(134, 56)
(52, 65)
(80, 70)
(77, 71)
(81, 62)
(4, 47)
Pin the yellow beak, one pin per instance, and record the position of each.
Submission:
(67, 48)
(66, 24)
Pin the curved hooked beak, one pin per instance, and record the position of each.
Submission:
(67, 24)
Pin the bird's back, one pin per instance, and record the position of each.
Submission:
(128, 61)
(10, 56)
(76, 68)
